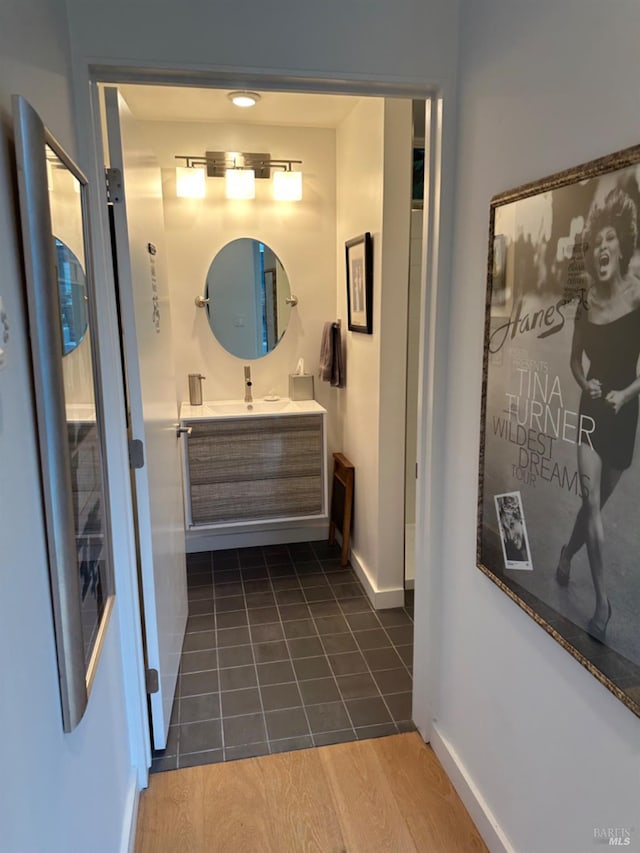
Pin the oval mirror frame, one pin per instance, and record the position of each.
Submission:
(249, 298)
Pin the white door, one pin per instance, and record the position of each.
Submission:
(146, 328)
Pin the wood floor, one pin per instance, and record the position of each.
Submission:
(389, 794)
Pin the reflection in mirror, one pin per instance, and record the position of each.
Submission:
(72, 292)
(67, 223)
(248, 289)
(53, 208)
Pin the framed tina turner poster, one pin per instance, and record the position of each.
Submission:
(559, 491)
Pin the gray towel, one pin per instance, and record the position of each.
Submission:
(331, 363)
(326, 353)
(337, 367)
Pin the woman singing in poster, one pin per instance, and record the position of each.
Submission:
(607, 331)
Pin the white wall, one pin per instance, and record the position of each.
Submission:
(543, 86)
(413, 363)
(413, 42)
(302, 234)
(60, 793)
(413, 374)
(360, 161)
(396, 218)
(374, 144)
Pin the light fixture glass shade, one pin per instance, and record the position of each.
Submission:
(190, 183)
(240, 183)
(244, 99)
(287, 186)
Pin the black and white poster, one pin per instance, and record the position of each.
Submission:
(559, 497)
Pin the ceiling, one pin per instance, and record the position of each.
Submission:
(179, 103)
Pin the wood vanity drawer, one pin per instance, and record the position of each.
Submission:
(256, 499)
(255, 468)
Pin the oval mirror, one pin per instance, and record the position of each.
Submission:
(72, 293)
(248, 289)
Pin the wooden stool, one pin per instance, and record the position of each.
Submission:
(341, 503)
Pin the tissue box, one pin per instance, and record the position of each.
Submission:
(301, 386)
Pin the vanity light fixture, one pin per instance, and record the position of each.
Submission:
(244, 99)
(240, 171)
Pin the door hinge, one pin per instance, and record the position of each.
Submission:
(136, 453)
(151, 678)
(113, 180)
(416, 470)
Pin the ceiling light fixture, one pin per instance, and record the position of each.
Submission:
(244, 99)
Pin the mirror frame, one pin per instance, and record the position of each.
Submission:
(75, 677)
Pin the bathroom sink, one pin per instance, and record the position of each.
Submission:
(258, 407)
(80, 412)
(238, 408)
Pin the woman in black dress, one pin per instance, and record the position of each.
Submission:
(607, 330)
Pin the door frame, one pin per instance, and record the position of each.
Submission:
(85, 79)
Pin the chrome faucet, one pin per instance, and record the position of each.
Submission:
(248, 397)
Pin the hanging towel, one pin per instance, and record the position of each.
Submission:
(326, 353)
(331, 363)
(337, 371)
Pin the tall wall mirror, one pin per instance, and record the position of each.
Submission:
(249, 298)
(64, 355)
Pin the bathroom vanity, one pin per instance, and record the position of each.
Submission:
(253, 464)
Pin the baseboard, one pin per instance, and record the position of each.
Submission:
(380, 598)
(130, 817)
(274, 533)
(474, 802)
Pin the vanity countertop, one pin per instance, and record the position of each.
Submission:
(215, 409)
(80, 413)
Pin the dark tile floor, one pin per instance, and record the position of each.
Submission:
(283, 651)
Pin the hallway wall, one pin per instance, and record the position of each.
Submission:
(414, 42)
(551, 751)
(60, 793)
(360, 169)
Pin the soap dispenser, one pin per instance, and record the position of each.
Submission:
(195, 388)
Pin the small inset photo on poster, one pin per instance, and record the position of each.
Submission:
(513, 531)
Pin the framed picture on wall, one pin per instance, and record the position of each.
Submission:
(359, 254)
(559, 479)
